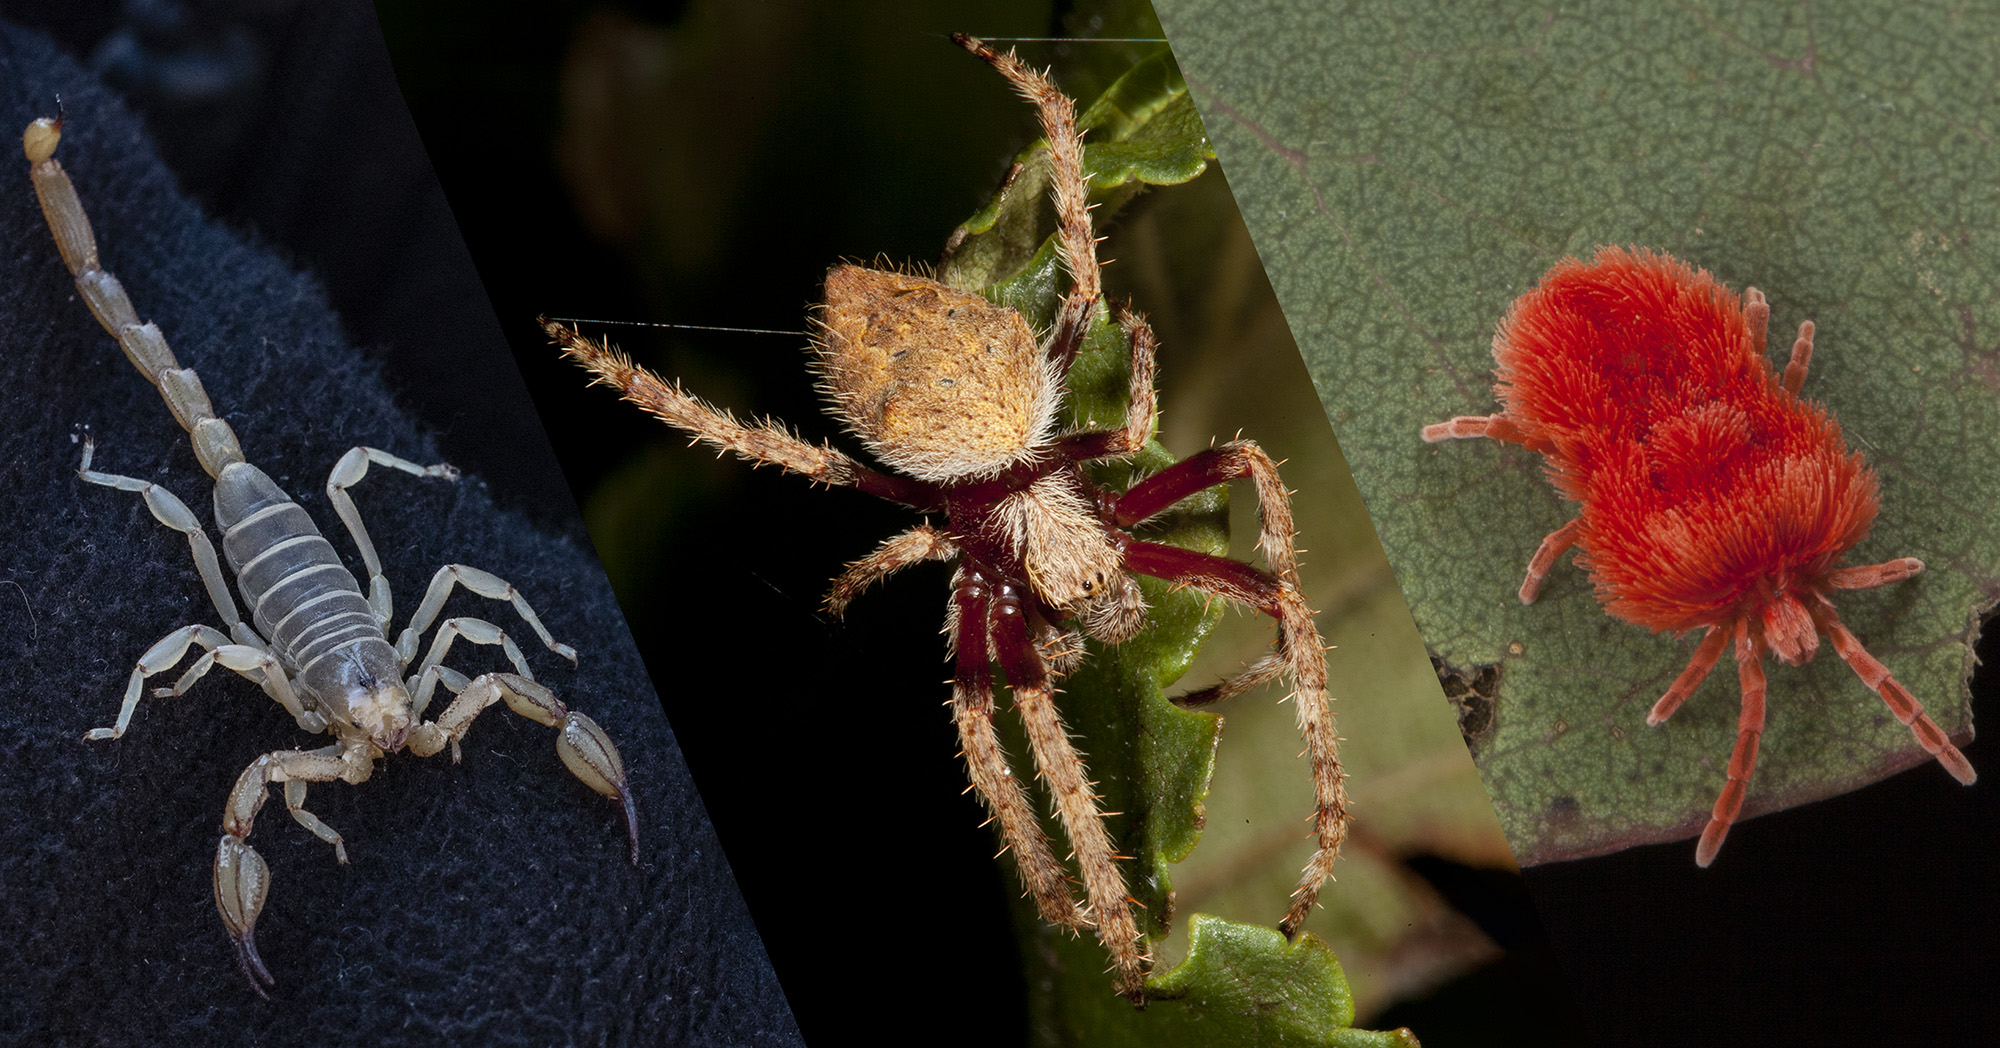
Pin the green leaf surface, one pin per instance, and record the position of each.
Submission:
(1407, 173)
(1241, 984)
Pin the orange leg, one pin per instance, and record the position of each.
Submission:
(1742, 762)
(1869, 576)
(1905, 706)
(1795, 369)
(1697, 670)
(1554, 544)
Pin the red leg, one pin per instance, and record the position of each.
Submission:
(1905, 706)
(1757, 314)
(1498, 427)
(1301, 653)
(1795, 369)
(1070, 790)
(1684, 685)
(986, 764)
(1869, 576)
(1742, 762)
(1554, 544)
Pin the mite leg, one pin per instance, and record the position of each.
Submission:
(174, 513)
(1061, 767)
(242, 880)
(1869, 576)
(1076, 243)
(760, 443)
(1757, 314)
(487, 585)
(1697, 671)
(347, 473)
(584, 747)
(914, 546)
(1905, 706)
(1554, 545)
(986, 764)
(1742, 761)
(1795, 369)
(1498, 427)
(255, 663)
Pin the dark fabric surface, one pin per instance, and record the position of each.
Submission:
(489, 902)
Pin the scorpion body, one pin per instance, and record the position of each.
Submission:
(314, 641)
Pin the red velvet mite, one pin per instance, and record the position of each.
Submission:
(1713, 497)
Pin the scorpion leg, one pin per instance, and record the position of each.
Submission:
(584, 747)
(174, 513)
(487, 585)
(347, 473)
(242, 879)
(478, 631)
(252, 662)
(255, 663)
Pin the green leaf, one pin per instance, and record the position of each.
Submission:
(1241, 984)
(1407, 173)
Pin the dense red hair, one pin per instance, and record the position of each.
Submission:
(1712, 495)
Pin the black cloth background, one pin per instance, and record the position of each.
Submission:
(489, 902)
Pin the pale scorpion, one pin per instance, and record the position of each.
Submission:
(318, 646)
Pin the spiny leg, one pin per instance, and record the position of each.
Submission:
(914, 546)
(1061, 767)
(1743, 759)
(348, 472)
(584, 747)
(1141, 400)
(1299, 643)
(242, 879)
(1076, 243)
(483, 583)
(1905, 706)
(760, 443)
(1302, 654)
(986, 763)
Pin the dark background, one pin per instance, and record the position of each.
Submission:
(486, 902)
(1798, 935)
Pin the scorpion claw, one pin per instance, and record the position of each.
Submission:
(592, 758)
(242, 881)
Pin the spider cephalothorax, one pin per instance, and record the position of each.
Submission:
(960, 398)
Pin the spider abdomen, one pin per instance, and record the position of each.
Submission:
(939, 383)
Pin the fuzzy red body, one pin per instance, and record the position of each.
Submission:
(1712, 495)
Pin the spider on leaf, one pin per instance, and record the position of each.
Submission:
(960, 399)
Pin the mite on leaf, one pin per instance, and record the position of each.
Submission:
(961, 399)
(1713, 497)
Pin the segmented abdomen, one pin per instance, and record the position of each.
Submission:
(301, 597)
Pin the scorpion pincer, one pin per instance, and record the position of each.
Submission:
(314, 642)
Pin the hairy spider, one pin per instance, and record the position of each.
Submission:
(960, 399)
